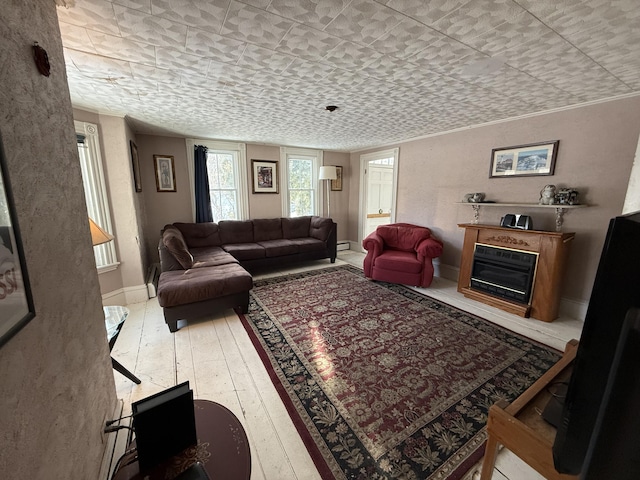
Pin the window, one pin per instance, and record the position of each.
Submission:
(222, 169)
(227, 172)
(300, 174)
(95, 191)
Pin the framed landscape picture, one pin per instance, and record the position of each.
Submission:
(165, 173)
(265, 176)
(16, 304)
(524, 160)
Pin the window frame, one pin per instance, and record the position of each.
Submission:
(238, 150)
(317, 158)
(106, 257)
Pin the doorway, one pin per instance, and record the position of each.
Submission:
(378, 181)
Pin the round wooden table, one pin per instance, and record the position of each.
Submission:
(223, 449)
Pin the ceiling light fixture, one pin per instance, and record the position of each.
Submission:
(331, 108)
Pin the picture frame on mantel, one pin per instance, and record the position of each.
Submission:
(16, 303)
(264, 176)
(534, 159)
(165, 173)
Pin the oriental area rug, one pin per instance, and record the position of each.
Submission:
(381, 381)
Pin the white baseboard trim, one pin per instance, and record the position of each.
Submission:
(126, 295)
(445, 271)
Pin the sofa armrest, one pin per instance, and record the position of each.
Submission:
(167, 261)
(429, 248)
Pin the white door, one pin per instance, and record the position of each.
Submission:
(378, 179)
(379, 194)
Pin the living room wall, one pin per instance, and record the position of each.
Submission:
(595, 156)
(125, 284)
(55, 373)
(169, 207)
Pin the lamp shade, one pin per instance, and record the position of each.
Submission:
(328, 173)
(98, 235)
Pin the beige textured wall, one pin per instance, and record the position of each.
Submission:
(595, 155)
(264, 205)
(162, 208)
(128, 215)
(56, 380)
(340, 199)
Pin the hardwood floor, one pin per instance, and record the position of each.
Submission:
(217, 357)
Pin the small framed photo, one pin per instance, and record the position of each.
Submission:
(16, 303)
(336, 185)
(135, 162)
(265, 176)
(534, 159)
(165, 173)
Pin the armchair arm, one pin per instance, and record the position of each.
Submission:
(374, 245)
(429, 248)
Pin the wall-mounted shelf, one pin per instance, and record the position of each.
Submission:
(560, 209)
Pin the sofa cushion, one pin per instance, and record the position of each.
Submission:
(175, 243)
(198, 284)
(296, 227)
(278, 248)
(236, 231)
(402, 236)
(320, 228)
(398, 261)
(267, 229)
(245, 251)
(200, 234)
(211, 257)
(309, 244)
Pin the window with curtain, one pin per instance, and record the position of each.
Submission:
(95, 191)
(227, 178)
(301, 195)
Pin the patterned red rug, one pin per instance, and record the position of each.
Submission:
(383, 382)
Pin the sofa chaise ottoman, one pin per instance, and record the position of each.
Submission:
(205, 266)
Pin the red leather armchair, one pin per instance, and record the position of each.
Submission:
(401, 253)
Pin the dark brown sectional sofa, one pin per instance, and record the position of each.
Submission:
(205, 266)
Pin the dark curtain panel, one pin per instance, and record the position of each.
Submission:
(203, 201)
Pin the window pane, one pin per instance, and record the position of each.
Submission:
(300, 173)
(300, 203)
(223, 185)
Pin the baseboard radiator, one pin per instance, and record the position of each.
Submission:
(152, 280)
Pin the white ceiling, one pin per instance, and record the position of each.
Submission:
(262, 71)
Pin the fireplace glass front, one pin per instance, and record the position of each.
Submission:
(504, 272)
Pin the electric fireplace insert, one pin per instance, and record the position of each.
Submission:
(504, 272)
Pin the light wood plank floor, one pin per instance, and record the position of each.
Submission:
(217, 357)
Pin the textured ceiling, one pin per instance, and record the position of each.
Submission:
(263, 70)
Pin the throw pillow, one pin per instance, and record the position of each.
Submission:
(175, 243)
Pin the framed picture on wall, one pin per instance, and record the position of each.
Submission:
(135, 162)
(336, 185)
(265, 176)
(524, 160)
(165, 173)
(16, 303)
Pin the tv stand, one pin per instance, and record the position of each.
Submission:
(520, 427)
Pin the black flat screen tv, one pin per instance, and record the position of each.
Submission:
(616, 289)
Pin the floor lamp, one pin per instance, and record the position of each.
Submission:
(328, 173)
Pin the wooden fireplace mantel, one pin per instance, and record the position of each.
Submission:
(552, 249)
